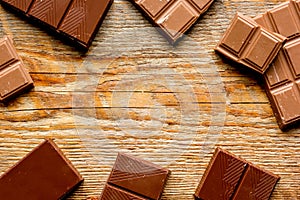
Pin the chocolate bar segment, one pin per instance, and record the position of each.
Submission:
(20, 5)
(282, 84)
(256, 184)
(49, 11)
(111, 192)
(249, 44)
(172, 17)
(77, 21)
(283, 19)
(45, 173)
(14, 79)
(231, 178)
(83, 18)
(221, 176)
(136, 177)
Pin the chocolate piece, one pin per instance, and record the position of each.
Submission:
(45, 173)
(231, 178)
(249, 44)
(256, 184)
(173, 17)
(77, 20)
(132, 177)
(111, 192)
(221, 176)
(14, 79)
(282, 84)
(283, 19)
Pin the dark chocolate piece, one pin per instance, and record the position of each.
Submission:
(231, 178)
(283, 19)
(221, 177)
(45, 173)
(111, 192)
(77, 20)
(283, 84)
(256, 184)
(173, 17)
(14, 79)
(132, 176)
(249, 44)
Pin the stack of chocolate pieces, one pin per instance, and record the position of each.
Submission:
(274, 53)
(134, 178)
(230, 177)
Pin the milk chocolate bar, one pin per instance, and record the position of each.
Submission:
(77, 21)
(14, 78)
(134, 178)
(283, 19)
(283, 84)
(45, 173)
(249, 44)
(172, 17)
(231, 178)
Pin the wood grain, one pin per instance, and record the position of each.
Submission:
(133, 92)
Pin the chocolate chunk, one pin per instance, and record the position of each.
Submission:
(249, 44)
(173, 17)
(77, 21)
(45, 173)
(231, 178)
(14, 79)
(282, 84)
(135, 178)
(283, 19)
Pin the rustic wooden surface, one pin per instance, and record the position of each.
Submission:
(133, 92)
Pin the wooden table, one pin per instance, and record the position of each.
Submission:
(133, 92)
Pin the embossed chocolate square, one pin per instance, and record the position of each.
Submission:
(231, 178)
(134, 178)
(249, 44)
(14, 78)
(172, 17)
(283, 84)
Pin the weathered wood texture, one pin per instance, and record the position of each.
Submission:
(133, 92)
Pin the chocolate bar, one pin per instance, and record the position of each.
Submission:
(282, 84)
(231, 178)
(172, 17)
(45, 173)
(77, 21)
(134, 178)
(249, 44)
(283, 19)
(14, 78)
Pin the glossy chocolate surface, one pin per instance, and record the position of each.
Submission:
(249, 44)
(132, 176)
(45, 173)
(14, 78)
(77, 21)
(172, 17)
